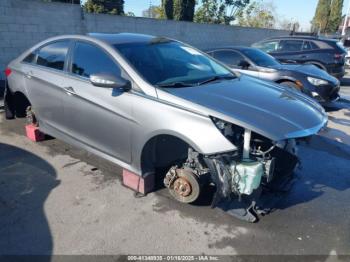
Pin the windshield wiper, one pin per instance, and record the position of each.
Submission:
(216, 78)
(174, 84)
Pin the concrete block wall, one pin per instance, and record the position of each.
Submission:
(24, 23)
(199, 35)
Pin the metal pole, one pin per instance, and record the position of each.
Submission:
(246, 144)
(346, 20)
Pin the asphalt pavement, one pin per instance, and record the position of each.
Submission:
(56, 199)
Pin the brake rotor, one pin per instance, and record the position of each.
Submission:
(185, 188)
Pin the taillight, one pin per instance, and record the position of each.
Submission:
(8, 72)
(338, 56)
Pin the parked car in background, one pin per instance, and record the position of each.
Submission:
(308, 79)
(151, 103)
(327, 54)
(346, 44)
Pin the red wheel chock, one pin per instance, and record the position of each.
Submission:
(34, 134)
(137, 183)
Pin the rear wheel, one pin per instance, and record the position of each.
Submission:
(9, 104)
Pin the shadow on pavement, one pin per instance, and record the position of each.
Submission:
(345, 81)
(25, 182)
(338, 105)
(325, 169)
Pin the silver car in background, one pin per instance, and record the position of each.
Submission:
(157, 106)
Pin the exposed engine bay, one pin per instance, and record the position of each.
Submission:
(240, 177)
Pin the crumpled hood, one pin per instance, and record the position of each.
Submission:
(265, 108)
(309, 70)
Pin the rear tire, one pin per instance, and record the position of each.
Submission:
(9, 104)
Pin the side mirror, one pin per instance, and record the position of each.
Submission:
(244, 64)
(110, 81)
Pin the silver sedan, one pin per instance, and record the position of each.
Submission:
(163, 109)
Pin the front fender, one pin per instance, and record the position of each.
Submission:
(155, 118)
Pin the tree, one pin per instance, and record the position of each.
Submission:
(151, 12)
(288, 24)
(77, 2)
(335, 16)
(114, 7)
(219, 11)
(182, 10)
(130, 14)
(168, 7)
(321, 18)
(257, 14)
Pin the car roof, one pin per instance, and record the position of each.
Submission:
(125, 38)
(237, 48)
(302, 38)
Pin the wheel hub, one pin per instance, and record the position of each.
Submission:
(182, 187)
(183, 184)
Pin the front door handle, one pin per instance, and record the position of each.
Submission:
(69, 90)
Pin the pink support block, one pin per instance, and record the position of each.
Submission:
(143, 185)
(34, 134)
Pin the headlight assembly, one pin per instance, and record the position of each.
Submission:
(220, 124)
(232, 132)
(317, 81)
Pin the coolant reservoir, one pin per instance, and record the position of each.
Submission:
(248, 175)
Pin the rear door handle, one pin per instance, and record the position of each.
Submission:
(69, 90)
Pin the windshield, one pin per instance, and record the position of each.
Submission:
(260, 58)
(165, 62)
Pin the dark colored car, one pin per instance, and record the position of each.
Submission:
(308, 79)
(327, 54)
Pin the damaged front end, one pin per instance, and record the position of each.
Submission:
(241, 178)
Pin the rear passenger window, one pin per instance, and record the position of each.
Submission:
(30, 58)
(309, 46)
(88, 59)
(53, 55)
(290, 45)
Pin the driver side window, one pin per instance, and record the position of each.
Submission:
(89, 59)
(230, 58)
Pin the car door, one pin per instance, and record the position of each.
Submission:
(95, 116)
(234, 60)
(44, 79)
(290, 51)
